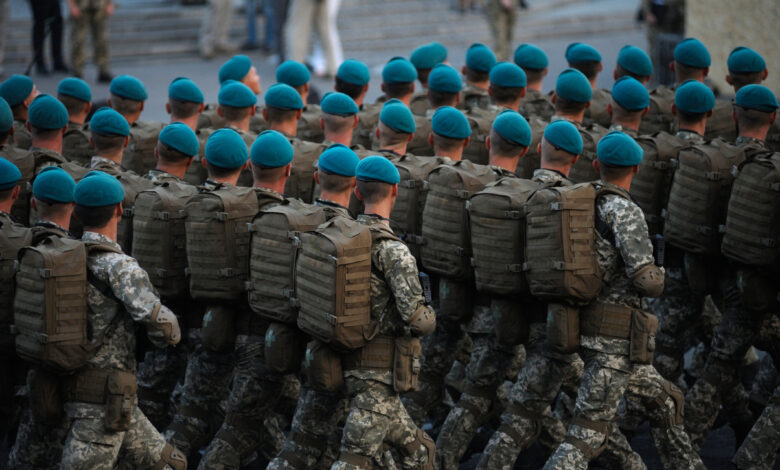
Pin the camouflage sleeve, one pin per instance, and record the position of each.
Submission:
(131, 285)
(630, 230)
(400, 271)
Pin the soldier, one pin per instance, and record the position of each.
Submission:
(444, 89)
(666, 24)
(629, 274)
(534, 63)
(19, 92)
(398, 77)
(501, 17)
(507, 89)
(185, 105)
(237, 105)
(240, 69)
(297, 76)
(424, 59)
(746, 67)
(47, 122)
(479, 60)
(339, 119)
(117, 425)
(395, 129)
(352, 79)
(7, 149)
(587, 60)
(214, 29)
(634, 62)
(77, 98)
(628, 104)
(92, 15)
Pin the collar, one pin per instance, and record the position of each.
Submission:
(625, 130)
(578, 125)
(690, 135)
(97, 160)
(324, 202)
(50, 224)
(741, 140)
(161, 175)
(98, 238)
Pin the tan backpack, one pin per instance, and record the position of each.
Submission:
(300, 184)
(159, 240)
(25, 162)
(476, 150)
(217, 239)
(659, 116)
(582, 171)
(721, 124)
(699, 196)
(274, 249)
(532, 161)
(446, 246)
(597, 111)
(13, 237)
(309, 128)
(138, 156)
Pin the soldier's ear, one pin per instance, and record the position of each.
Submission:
(772, 118)
(322, 123)
(382, 87)
(674, 109)
(635, 169)
(601, 67)
(168, 108)
(219, 111)
(463, 70)
(609, 109)
(253, 111)
(615, 74)
(552, 98)
(265, 114)
(376, 132)
(15, 193)
(709, 114)
(317, 177)
(411, 90)
(430, 139)
(118, 211)
(524, 152)
(644, 112)
(523, 92)
(127, 141)
(355, 122)
(671, 66)
(410, 138)
(539, 148)
(299, 114)
(189, 163)
(487, 143)
(28, 126)
(357, 194)
(394, 191)
(729, 80)
(595, 165)
(734, 117)
(466, 142)
(705, 72)
(764, 74)
(142, 105)
(288, 169)
(88, 108)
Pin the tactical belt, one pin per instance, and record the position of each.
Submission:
(359, 461)
(89, 385)
(376, 355)
(604, 319)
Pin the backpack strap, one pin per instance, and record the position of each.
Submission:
(601, 226)
(101, 286)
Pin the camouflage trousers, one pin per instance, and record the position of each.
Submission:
(606, 378)
(96, 20)
(759, 450)
(14, 373)
(38, 444)
(377, 416)
(502, 25)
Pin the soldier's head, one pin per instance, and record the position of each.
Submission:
(283, 108)
(177, 145)
(507, 85)
(237, 104)
(630, 102)
(339, 117)
(586, 59)
(560, 147)
(352, 79)
(444, 86)
(377, 184)
(271, 160)
(633, 62)
(450, 134)
(98, 198)
(53, 193)
(509, 139)
(534, 63)
(6, 121)
(693, 103)
(746, 67)
(297, 76)
(396, 126)
(691, 61)
(479, 60)
(9, 184)
(618, 159)
(755, 110)
(18, 91)
(110, 133)
(47, 121)
(127, 97)
(572, 94)
(239, 68)
(185, 100)
(336, 173)
(398, 77)
(75, 94)
(425, 58)
(226, 155)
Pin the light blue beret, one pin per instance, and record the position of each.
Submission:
(237, 95)
(179, 136)
(694, 97)
(745, 60)
(292, 73)
(354, 72)
(6, 116)
(564, 135)
(75, 88)
(397, 117)
(283, 96)
(450, 122)
(338, 104)
(630, 94)
(53, 184)
(693, 53)
(444, 79)
(106, 121)
(9, 174)
(226, 149)
(428, 56)
(635, 60)
(618, 149)
(573, 86)
(271, 149)
(47, 112)
(128, 87)
(513, 127)
(235, 68)
(531, 57)
(184, 89)
(580, 52)
(507, 74)
(480, 58)
(338, 159)
(16, 89)
(98, 189)
(756, 97)
(399, 70)
(376, 168)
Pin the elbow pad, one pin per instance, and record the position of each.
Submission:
(423, 321)
(165, 321)
(649, 281)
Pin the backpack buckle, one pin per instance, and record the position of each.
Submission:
(459, 250)
(41, 337)
(164, 216)
(294, 302)
(410, 184)
(514, 268)
(556, 206)
(226, 272)
(250, 227)
(333, 259)
(468, 205)
(160, 272)
(704, 230)
(768, 242)
(559, 265)
(127, 212)
(461, 194)
(332, 320)
(221, 216)
(45, 273)
(712, 176)
(425, 185)
(516, 214)
(248, 286)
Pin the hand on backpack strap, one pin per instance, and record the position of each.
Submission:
(163, 329)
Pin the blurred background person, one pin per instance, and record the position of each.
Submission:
(5, 12)
(250, 9)
(214, 29)
(92, 15)
(665, 28)
(321, 14)
(47, 19)
(501, 16)
(275, 13)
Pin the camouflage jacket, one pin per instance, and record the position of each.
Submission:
(46, 227)
(160, 176)
(629, 132)
(473, 97)
(333, 209)
(75, 144)
(693, 137)
(419, 103)
(45, 157)
(22, 137)
(550, 177)
(752, 143)
(368, 117)
(105, 165)
(267, 198)
(536, 103)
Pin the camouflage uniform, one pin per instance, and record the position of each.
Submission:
(300, 184)
(368, 118)
(609, 373)
(473, 97)
(597, 111)
(536, 103)
(94, 17)
(419, 103)
(22, 138)
(376, 414)
(89, 445)
(502, 25)
(75, 144)
(138, 156)
(759, 450)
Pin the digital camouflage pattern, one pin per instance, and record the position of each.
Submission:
(502, 22)
(759, 450)
(75, 144)
(536, 103)
(45, 157)
(22, 138)
(473, 97)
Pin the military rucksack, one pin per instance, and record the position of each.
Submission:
(218, 241)
(50, 304)
(138, 156)
(25, 162)
(561, 264)
(476, 150)
(367, 122)
(597, 111)
(13, 237)
(309, 128)
(699, 196)
(473, 97)
(721, 123)
(659, 116)
(159, 240)
(650, 186)
(538, 105)
(300, 184)
(446, 246)
(274, 248)
(582, 171)
(532, 160)
(132, 184)
(752, 233)
(333, 277)
(497, 224)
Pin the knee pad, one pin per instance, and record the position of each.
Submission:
(428, 454)
(602, 427)
(535, 418)
(667, 420)
(172, 457)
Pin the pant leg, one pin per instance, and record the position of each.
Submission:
(281, 9)
(78, 36)
(208, 28)
(55, 31)
(5, 13)
(90, 447)
(328, 30)
(269, 19)
(38, 445)
(251, 21)
(99, 24)
(223, 14)
(759, 450)
(143, 444)
(301, 16)
(38, 30)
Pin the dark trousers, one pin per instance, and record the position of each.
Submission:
(47, 11)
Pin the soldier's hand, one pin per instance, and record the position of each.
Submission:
(507, 4)
(110, 8)
(75, 12)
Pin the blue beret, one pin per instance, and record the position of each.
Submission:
(532, 57)
(179, 136)
(16, 89)
(75, 88)
(106, 121)
(618, 149)
(354, 72)
(580, 52)
(693, 53)
(694, 97)
(756, 97)
(635, 60)
(573, 86)
(283, 96)
(399, 70)
(338, 159)
(564, 135)
(507, 74)
(98, 189)
(47, 112)
(128, 87)
(225, 148)
(9, 174)
(444, 79)
(376, 168)
(513, 127)
(745, 60)
(235, 68)
(630, 94)
(339, 104)
(450, 122)
(53, 184)
(293, 73)
(184, 89)
(480, 58)
(271, 149)
(428, 56)
(397, 117)
(237, 95)
(6, 116)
